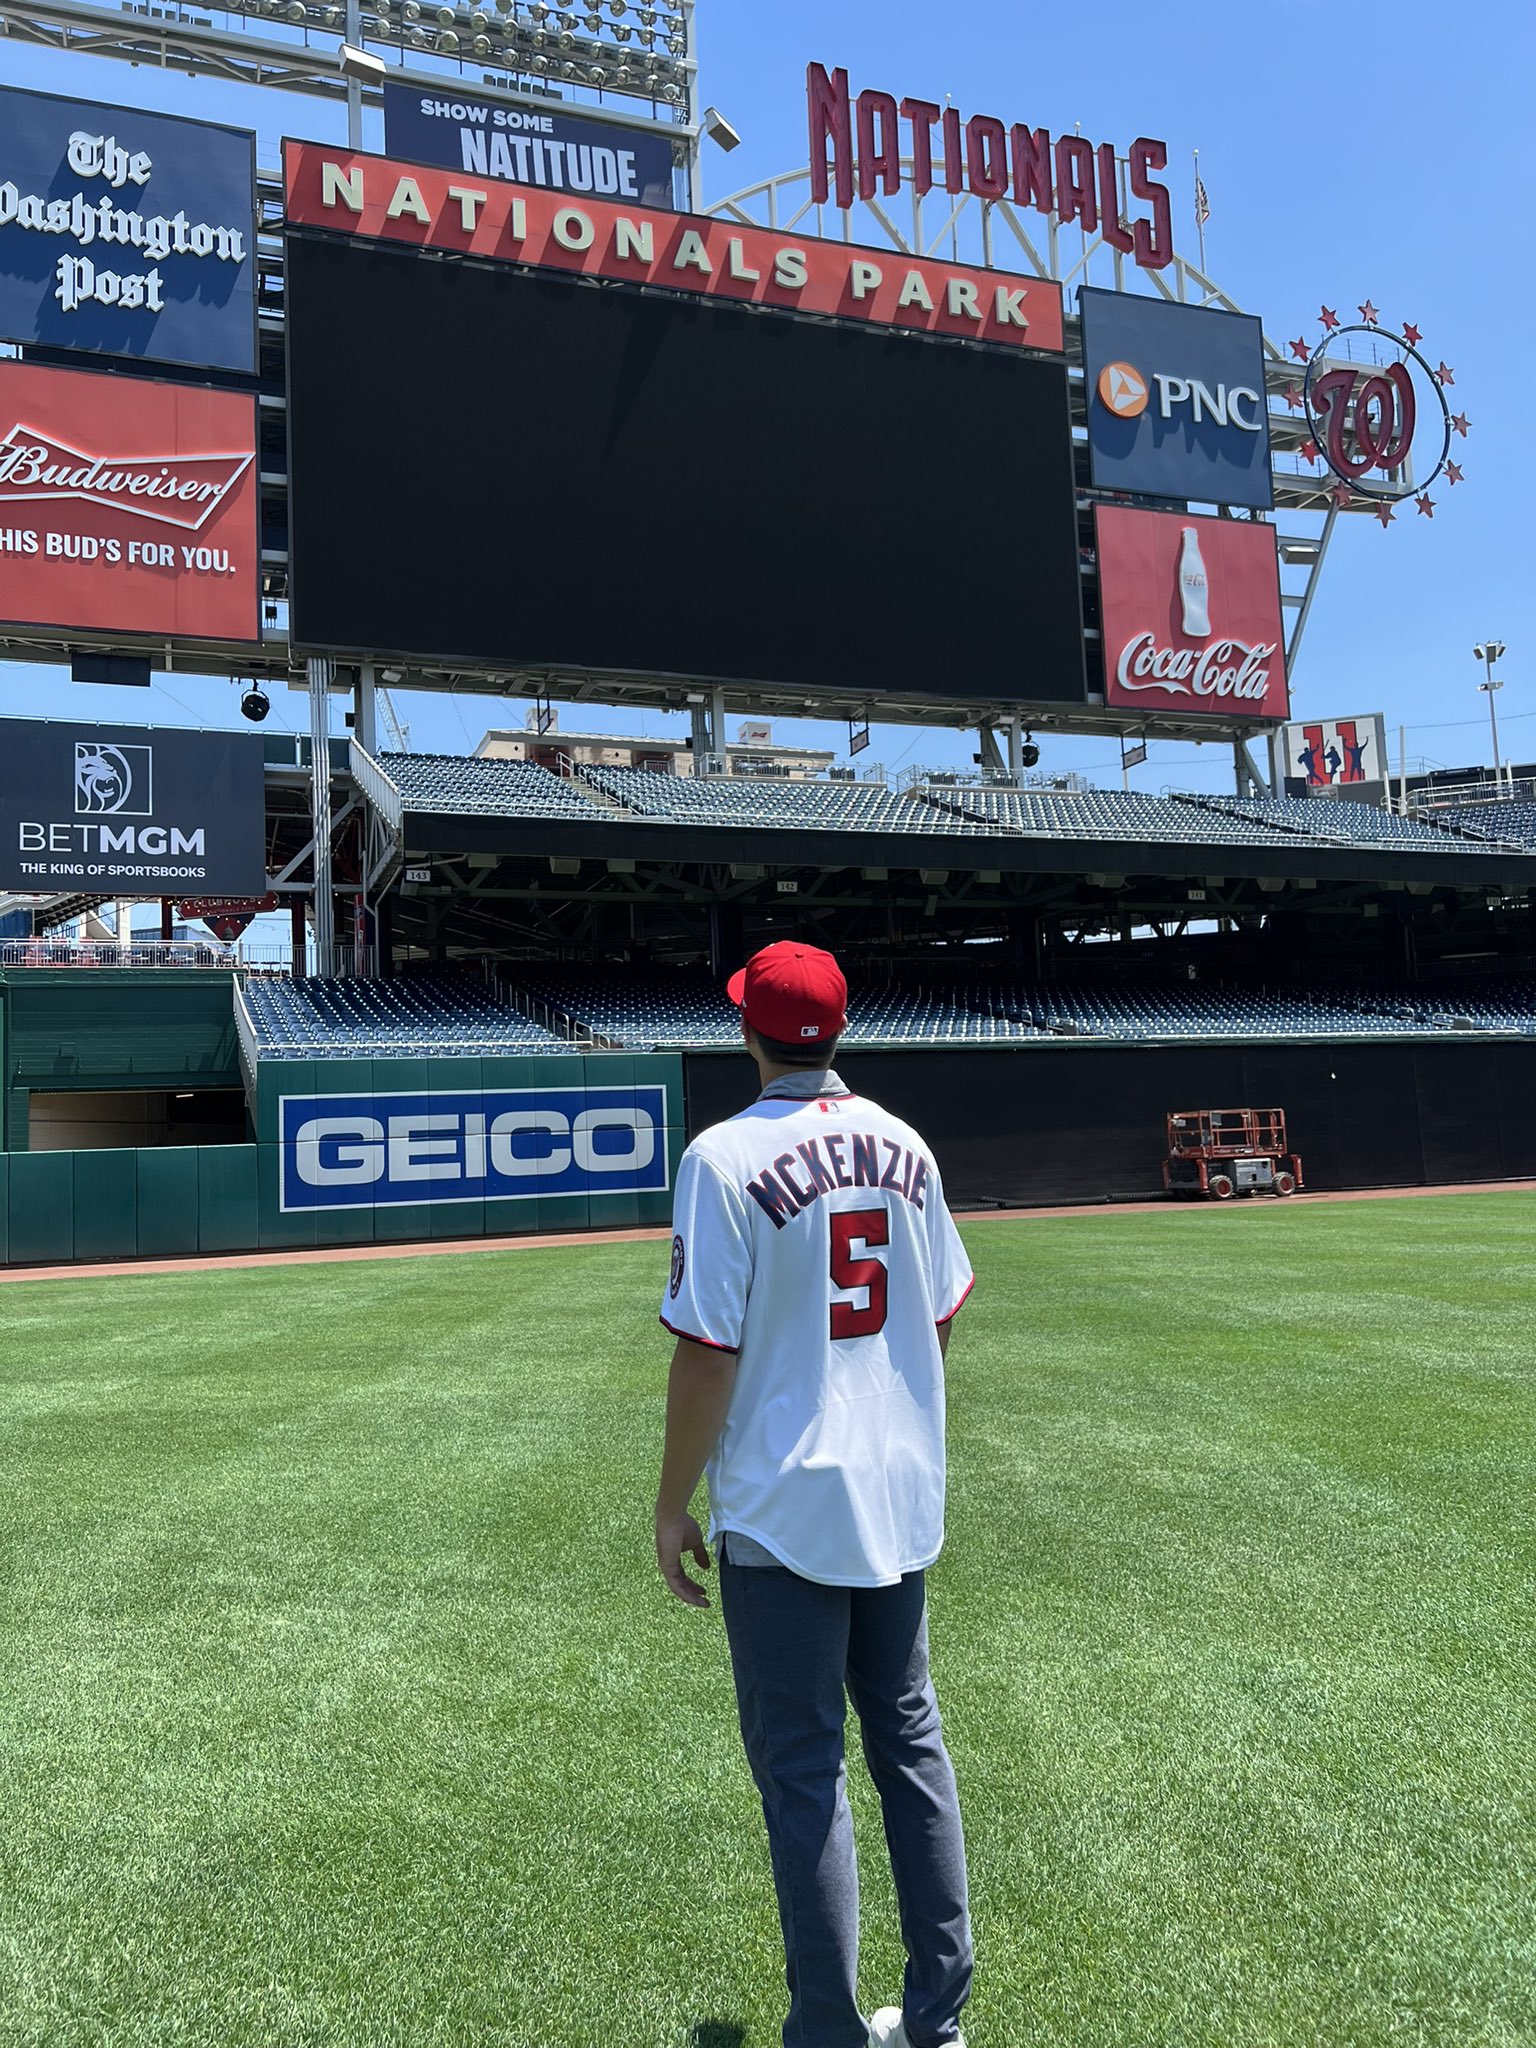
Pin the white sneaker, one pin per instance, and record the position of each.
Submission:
(886, 2030)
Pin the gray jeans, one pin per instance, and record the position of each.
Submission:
(795, 1646)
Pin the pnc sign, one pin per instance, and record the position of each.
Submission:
(1176, 404)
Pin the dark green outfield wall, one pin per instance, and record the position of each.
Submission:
(181, 1200)
(106, 1027)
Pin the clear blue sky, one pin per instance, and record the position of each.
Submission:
(1384, 155)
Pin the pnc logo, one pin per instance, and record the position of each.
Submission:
(1126, 392)
(1123, 390)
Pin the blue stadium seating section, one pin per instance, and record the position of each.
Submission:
(689, 1008)
(425, 1015)
(522, 789)
(443, 1014)
(1338, 822)
(485, 788)
(744, 800)
(1512, 822)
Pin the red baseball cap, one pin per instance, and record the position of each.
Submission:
(793, 993)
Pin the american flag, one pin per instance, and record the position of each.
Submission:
(1202, 204)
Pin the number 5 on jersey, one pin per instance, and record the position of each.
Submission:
(861, 1227)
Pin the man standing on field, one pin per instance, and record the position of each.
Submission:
(815, 1276)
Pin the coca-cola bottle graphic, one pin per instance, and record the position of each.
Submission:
(1194, 589)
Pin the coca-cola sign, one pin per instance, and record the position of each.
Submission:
(127, 506)
(1191, 615)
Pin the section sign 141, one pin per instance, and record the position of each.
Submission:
(1191, 615)
(127, 505)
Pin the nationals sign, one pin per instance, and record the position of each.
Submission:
(355, 194)
(127, 505)
(1191, 614)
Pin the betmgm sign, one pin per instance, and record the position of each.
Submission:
(142, 811)
(471, 1145)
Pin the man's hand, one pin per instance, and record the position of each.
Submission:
(676, 1537)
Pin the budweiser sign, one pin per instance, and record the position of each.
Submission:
(128, 506)
(1191, 614)
(175, 490)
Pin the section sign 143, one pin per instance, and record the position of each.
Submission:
(1191, 614)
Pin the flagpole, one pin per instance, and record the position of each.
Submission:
(1200, 215)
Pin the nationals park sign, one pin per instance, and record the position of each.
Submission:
(1066, 177)
(352, 193)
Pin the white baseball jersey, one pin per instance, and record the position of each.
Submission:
(812, 1240)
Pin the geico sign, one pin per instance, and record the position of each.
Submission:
(351, 1151)
(1124, 391)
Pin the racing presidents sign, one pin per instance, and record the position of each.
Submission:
(1190, 614)
(351, 193)
(127, 233)
(1069, 179)
(144, 809)
(505, 1145)
(557, 152)
(1176, 404)
(1335, 752)
(127, 505)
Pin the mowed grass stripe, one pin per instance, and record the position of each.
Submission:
(342, 1703)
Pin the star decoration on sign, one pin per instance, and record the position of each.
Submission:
(1385, 514)
(1293, 398)
(1461, 423)
(1446, 374)
(1426, 505)
(1329, 318)
(1341, 496)
(1308, 451)
(1369, 314)
(1410, 334)
(1300, 350)
(1454, 472)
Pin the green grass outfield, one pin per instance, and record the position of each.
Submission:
(341, 1703)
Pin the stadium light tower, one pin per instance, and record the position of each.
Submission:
(1488, 652)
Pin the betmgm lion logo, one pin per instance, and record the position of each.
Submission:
(113, 782)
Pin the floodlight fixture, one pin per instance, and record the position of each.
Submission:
(255, 703)
(362, 64)
(1294, 552)
(719, 130)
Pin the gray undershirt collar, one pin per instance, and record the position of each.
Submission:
(806, 1087)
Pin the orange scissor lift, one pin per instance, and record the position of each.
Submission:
(1219, 1153)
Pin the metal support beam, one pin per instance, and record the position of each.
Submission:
(991, 753)
(1016, 750)
(322, 673)
(365, 710)
(1251, 780)
(1311, 591)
